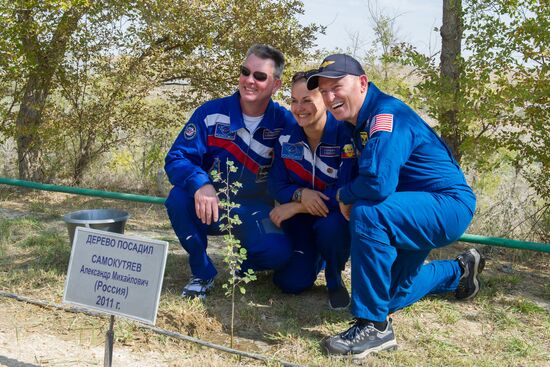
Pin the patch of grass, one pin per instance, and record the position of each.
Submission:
(13, 230)
(41, 206)
(503, 319)
(525, 306)
(31, 278)
(498, 284)
(438, 347)
(518, 347)
(50, 250)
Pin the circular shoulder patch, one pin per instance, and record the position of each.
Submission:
(190, 131)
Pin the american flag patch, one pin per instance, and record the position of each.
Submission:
(381, 122)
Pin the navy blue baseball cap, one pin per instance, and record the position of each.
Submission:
(335, 66)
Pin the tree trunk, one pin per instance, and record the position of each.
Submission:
(46, 59)
(28, 140)
(451, 38)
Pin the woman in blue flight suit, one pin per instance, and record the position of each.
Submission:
(312, 160)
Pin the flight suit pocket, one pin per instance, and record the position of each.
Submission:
(368, 164)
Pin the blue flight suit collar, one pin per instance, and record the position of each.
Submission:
(236, 114)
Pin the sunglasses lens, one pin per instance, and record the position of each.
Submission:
(245, 71)
(260, 76)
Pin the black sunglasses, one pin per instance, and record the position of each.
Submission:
(258, 75)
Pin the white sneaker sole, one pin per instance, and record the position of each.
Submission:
(477, 261)
(389, 345)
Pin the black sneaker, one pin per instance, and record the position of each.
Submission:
(197, 288)
(360, 340)
(472, 264)
(338, 299)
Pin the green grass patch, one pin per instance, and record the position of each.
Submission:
(518, 347)
(13, 230)
(492, 285)
(525, 306)
(50, 250)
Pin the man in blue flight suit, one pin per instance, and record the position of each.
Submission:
(242, 128)
(410, 197)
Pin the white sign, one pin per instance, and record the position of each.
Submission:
(116, 274)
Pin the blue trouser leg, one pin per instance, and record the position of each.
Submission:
(267, 246)
(312, 236)
(412, 280)
(332, 240)
(305, 263)
(390, 241)
(191, 232)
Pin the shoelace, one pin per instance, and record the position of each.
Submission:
(198, 281)
(355, 330)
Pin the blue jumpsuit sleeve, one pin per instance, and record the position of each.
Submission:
(280, 186)
(379, 165)
(183, 161)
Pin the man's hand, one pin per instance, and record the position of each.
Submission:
(282, 212)
(206, 204)
(346, 210)
(314, 202)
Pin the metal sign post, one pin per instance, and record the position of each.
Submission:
(109, 341)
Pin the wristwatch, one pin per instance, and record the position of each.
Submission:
(338, 195)
(297, 196)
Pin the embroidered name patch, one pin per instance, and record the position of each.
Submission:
(329, 151)
(190, 131)
(223, 131)
(271, 134)
(293, 151)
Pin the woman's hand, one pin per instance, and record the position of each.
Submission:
(314, 202)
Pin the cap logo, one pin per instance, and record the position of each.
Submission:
(326, 63)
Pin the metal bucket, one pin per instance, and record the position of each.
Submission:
(112, 220)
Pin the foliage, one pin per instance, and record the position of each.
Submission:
(235, 255)
(503, 104)
(509, 40)
(95, 94)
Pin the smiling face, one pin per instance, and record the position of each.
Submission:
(255, 94)
(306, 105)
(344, 97)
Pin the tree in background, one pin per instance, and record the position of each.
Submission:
(40, 43)
(450, 71)
(81, 74)
(496, 110)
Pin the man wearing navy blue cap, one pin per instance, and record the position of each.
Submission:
(410, 197)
